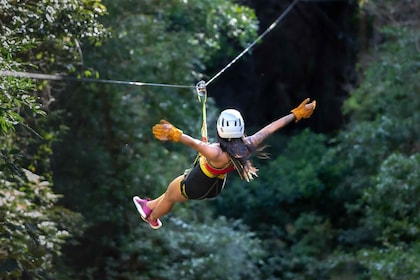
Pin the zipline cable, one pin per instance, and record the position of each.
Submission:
(271, 27)
(39, 76)
(52, 77)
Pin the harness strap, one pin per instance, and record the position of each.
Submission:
(219, 171)
(212, 172)
(202, 98)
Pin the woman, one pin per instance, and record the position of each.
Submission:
(208, 176)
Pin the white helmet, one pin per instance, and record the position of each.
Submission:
(230, 124)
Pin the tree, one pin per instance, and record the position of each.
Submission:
(41, 36)
(382, 146)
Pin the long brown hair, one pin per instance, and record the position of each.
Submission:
(239, 153)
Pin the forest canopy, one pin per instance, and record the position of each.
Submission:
(338, 198)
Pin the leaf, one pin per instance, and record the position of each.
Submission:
(14, 151)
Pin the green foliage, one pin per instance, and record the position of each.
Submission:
(396, 220)
(237, 253)
(394, 262)
(33, 229)
(185, 34)
(348, 211)
(299, 251)
(389, 262)
(391, 212)
(293, 174)
(289, 179)
(381, 161)
(382, 122)
(343, 209)
(384, 108)
(17, 97)
(289, 207)
(45, 36)
(390, 85)
(198, 250)
(384, 113)
(48, 34)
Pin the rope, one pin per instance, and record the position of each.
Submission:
(271, 27)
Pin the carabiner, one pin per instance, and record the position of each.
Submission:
(201, 90)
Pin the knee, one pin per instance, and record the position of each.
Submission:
(173, 193)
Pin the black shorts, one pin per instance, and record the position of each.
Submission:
(197, 185)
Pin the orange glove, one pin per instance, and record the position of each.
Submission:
(165, 131)
(304, 110)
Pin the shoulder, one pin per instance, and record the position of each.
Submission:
(216, 145)
(218, 148)
(218, 157)
(248, 141)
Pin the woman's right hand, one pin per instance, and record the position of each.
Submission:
(165, 131)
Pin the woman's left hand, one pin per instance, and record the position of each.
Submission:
(304, 110)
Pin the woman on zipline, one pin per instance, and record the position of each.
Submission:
(208, 176)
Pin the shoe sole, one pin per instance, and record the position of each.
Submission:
(139, 208)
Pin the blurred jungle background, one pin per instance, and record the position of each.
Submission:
(338, 199)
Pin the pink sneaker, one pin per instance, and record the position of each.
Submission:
(154, 224)
(145, 211)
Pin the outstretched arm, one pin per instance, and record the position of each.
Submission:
(257, 138)
(303, 111)
(165, 131)
(211, 152)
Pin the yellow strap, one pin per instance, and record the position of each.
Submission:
(202, 98)
(207, 172)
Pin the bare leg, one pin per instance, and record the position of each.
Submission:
(152, 203)
(164, 203)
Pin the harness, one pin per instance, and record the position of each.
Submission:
(209, 170)
(203, 181)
